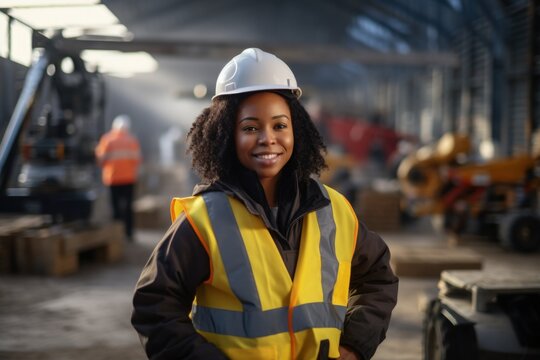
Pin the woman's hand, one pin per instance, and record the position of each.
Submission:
(346, 354)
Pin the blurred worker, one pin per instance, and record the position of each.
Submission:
(264, 261)
(119, 155)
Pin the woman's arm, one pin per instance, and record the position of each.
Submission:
(372, 297)
(164, 295)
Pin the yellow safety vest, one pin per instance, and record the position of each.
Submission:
(249, 307)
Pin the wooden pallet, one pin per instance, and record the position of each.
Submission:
(431, 261)
(31, 244)
(11, 226)
(57, 250)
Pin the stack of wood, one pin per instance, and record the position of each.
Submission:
(11, 226)
(379, 210)
(30, 244)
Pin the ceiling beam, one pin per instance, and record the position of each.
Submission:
(308, 53)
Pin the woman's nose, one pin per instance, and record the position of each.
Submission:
(267, 137)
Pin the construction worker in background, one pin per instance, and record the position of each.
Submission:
(119, 155)
(277, 262)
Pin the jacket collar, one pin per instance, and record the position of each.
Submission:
(295, 199)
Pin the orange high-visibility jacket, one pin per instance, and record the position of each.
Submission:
(119, 154)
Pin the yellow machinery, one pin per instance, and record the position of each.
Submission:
(498, 198)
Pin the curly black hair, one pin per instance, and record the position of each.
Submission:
(211, 140)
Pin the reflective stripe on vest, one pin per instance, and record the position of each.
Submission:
(263, 323)
(122, 154)
(250, 307)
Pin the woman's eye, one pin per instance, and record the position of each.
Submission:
(281, 126)
(249, 128)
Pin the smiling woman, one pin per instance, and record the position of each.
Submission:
(269, 262)
(264, 138)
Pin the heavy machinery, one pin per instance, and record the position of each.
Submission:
(363, 140)
(479, 315)
(497, 198)
(47, 164)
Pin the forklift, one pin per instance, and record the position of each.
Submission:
(478, 314)
(47, 163)
(498, 199)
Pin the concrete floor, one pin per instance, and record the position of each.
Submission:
(86, 315)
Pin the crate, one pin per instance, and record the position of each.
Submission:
(380, 211)
(11, 226)
(57, 250)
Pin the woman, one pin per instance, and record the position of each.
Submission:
(276, 262)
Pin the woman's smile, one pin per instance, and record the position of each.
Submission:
(267, 158)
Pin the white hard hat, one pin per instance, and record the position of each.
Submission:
(255, 70)
(121, 122)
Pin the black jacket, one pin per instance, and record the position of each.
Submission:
(179, 263)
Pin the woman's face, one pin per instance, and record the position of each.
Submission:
(264, 134)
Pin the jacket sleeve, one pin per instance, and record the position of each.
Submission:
(100, 149)
(372, 297)
(164, 295)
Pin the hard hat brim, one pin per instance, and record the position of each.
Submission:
(296, 92)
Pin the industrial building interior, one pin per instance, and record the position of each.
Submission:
(429, 109)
